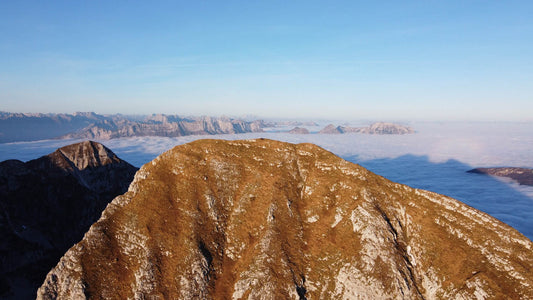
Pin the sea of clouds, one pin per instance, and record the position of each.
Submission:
(435, 158)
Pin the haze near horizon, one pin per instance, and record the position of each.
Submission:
(414, 60)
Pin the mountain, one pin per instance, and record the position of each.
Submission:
(521, 175)
(376, 128)
(47, 204)
(383, 128)
(260, 219)
(164, 125)
(16, 127)
(299, 130)
(28, 127)
(331, 129)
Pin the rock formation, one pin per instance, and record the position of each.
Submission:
(47, 205)
(521, 175)
(28, 127)
(299, 130)
(376, 128)
(163, 125)
(386, 128)
(331, 129)
(380, 128)
(261, 219)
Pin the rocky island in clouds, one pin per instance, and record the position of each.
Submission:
(375, 128)
(523, 176)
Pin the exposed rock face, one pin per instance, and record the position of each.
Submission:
(521, 175)
(331, 129)
(262, 219)
(386, 128)
(299, 130)
(47, 205)
(376, 128)
(163, 125)
(380, 128)
(28, 127)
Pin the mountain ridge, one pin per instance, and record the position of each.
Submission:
(374, 128)
(268, 220)
(48, 204)
(168, 126)
(36, 126)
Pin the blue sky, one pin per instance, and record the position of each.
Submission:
(386, 60)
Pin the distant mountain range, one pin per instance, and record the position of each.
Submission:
(165, 125)
(27, 127)
(16, 127)
(376, 128)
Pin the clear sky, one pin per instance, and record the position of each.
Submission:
(390, 60)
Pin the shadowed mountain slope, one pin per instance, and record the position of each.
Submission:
(261, 219)
(47, 204)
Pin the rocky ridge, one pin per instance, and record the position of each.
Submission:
(48, 204)
(261, 219)
(376, 128)
(165, 125)
(331, 129)
(291, 123)
(523, 176)
(299, 130)
(28, 127)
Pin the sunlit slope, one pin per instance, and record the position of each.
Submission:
(262, 219)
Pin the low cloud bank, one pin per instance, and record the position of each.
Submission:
(435, 158)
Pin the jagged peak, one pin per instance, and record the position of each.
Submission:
(330, 128)
(88, 154)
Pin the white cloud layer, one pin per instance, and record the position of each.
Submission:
(436, 158)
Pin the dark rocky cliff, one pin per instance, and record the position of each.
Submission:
(47, 204)
(521, 175)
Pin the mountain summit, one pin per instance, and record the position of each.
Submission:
(47, 204)
(260, 219)
(87, 154)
